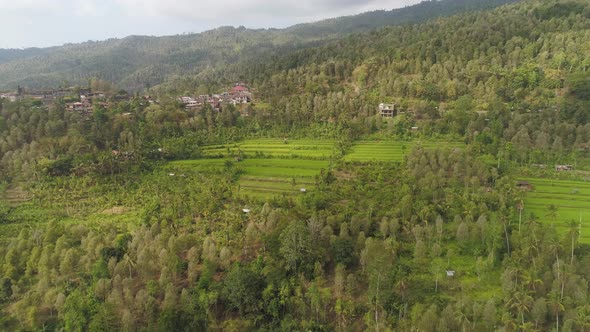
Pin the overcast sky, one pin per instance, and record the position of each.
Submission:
(40, 23)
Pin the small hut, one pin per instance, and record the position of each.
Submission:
(524, 185)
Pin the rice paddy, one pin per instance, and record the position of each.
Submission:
(572, 199)
(375, 151)
(266, 177)
(275, 148)
(288, 167)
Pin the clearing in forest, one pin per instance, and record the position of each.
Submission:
(368, 151)
(277, 166)
(266, 177)
(572, 199)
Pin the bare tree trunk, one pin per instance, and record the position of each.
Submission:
(376, 304)
(562, 287)
(519, 217)
(507, 240)
(557, 257)
(572, 259)
(436, 284)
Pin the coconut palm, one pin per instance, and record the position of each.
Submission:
(573, 230)
(551, 212)
(556, 305)
(128, 261)
(555, 248)
(521, 303)
(530, 280)
(462, 316)
(583, 317)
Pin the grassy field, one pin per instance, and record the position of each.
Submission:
(276, 166)
(571, 197)
(277, 148)
(367, 151)
(271, 166)
(265, 177)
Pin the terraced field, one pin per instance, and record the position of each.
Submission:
(266, 177)
(14, 196)
(571, 197)
(367, 151)
(306, 149)
(276, 166)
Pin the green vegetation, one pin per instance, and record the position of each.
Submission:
(273, 148)
(261, 178)
(145, 216)
(365, 151)
(286, 167)
(571, 201)
(157, 59)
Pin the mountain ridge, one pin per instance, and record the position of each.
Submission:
(137, 62)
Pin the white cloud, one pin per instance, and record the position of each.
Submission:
(25, 23)
(227, 12)
(87, 8)
(23, 6)
(28, 8)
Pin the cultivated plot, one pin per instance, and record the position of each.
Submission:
(368, 151)
(276, 148)
(572, 199)
(265, 177)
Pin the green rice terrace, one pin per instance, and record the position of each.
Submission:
(276, 148)
(572, 199)
(266, 177)
(367, 151)
(276, 166)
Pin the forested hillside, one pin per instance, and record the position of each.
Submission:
(308, 209)
(140, 62)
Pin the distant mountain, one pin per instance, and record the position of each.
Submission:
(139, 62)
(421, 12)
(7, 55)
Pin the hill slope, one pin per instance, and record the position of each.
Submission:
(137, 62)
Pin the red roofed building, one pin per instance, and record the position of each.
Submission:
(239, 88)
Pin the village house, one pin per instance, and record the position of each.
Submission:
(9, 96)
(193, 104)
(239, 87)
(239, 95)
(564, 168)
(240, 98)
(185, 100)
(387, 110)
(80, 107)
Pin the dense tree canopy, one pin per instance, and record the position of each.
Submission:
(101, 231)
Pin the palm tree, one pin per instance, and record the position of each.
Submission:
(531, 221)
(461, 316)
(530, 280)
(583, 317)
(129, 262)
(521, 303)
(520, 207)
(531, 248)
(573, 230)
(505, 223)
(528, 327)
(556, 305)
(552, 212)
(424, 214)
(555, 247)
